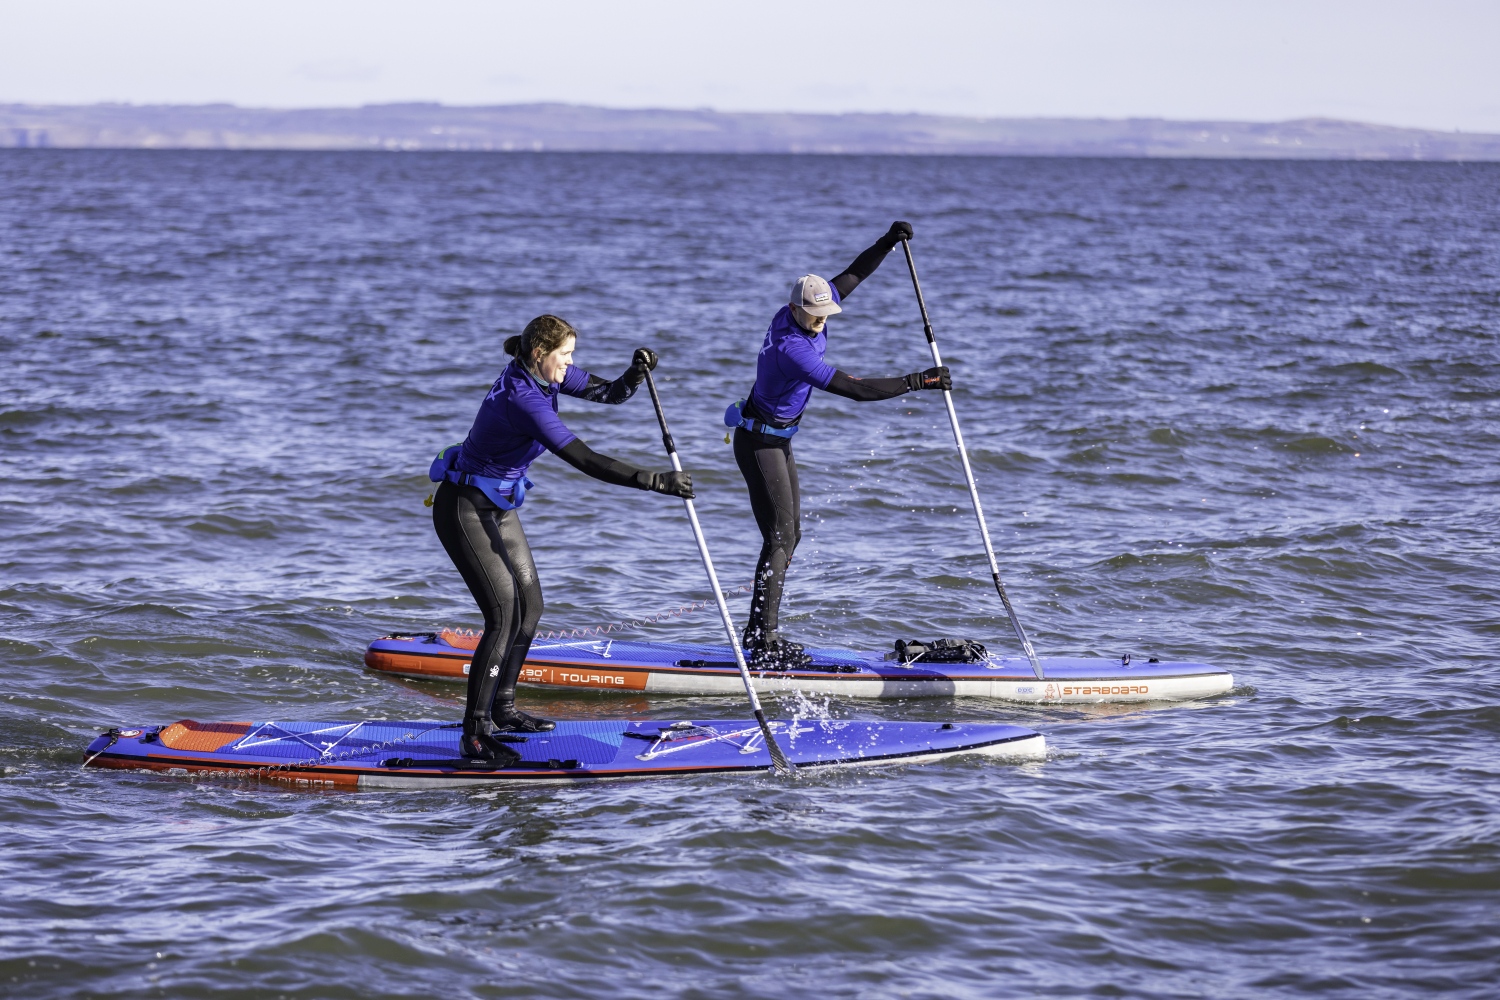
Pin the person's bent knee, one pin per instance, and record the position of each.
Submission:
(531, 608)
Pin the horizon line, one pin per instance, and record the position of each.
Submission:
(557, 126)
(706, 109)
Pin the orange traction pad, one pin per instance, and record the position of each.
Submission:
(460, 640)
(202, 737)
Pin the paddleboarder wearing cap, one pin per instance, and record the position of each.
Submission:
(789, 367)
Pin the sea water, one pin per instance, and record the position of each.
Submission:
(1236, 412)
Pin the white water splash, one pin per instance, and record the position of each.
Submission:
(800, 707)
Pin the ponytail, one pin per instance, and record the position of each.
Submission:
(545, 333)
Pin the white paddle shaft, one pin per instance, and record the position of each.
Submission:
(963, 456)
(777, 757)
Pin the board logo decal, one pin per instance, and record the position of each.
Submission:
(1109, 689)
(582, 677)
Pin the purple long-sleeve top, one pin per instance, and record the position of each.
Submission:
(518, 421)
(789, 367)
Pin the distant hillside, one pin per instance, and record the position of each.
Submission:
(577, 128)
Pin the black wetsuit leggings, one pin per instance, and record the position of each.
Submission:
(770, 472)
(490, 550)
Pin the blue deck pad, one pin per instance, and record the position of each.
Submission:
(586, 742)
(282, 741)
(668, 655)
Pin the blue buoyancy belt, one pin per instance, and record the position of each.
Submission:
(735, 417)
(507, 494)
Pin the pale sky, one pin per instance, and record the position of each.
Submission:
(1434, 64)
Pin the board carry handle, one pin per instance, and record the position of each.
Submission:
(777, 757)
(963, 455)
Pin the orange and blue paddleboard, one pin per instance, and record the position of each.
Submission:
(384, 754)
(680, 669)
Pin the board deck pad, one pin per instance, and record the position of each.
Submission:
(379, 753)
(689, 669)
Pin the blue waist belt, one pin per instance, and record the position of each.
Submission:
(507, 494)
(735, 417)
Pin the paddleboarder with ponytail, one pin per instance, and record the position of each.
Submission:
(476, 511)
(789, 367)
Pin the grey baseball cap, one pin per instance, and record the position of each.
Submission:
(813, 296)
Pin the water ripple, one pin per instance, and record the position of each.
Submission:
(1237, 412)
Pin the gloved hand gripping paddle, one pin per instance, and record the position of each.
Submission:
(642, 361)
(963, 455)
(777, 757)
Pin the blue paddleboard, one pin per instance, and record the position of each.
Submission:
(382, 754)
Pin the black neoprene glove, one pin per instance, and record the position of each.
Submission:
(932, 378)
(673, 484)
(899, 231)
(642, 361)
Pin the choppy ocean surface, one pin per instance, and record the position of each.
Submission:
(1243, 413)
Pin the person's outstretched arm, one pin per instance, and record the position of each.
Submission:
(801, 361)
(609, 470)
(866, 390)
(541, 424)
(600, 391)
(865, 264)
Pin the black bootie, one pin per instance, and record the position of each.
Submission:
(508, 718)
(768, 651)
(479, 743)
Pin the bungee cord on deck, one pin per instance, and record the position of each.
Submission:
(583, 633)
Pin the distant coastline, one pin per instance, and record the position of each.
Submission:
(577, 128)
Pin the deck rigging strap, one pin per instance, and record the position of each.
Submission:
(584, 632)
(661, 616)
(325, 758)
